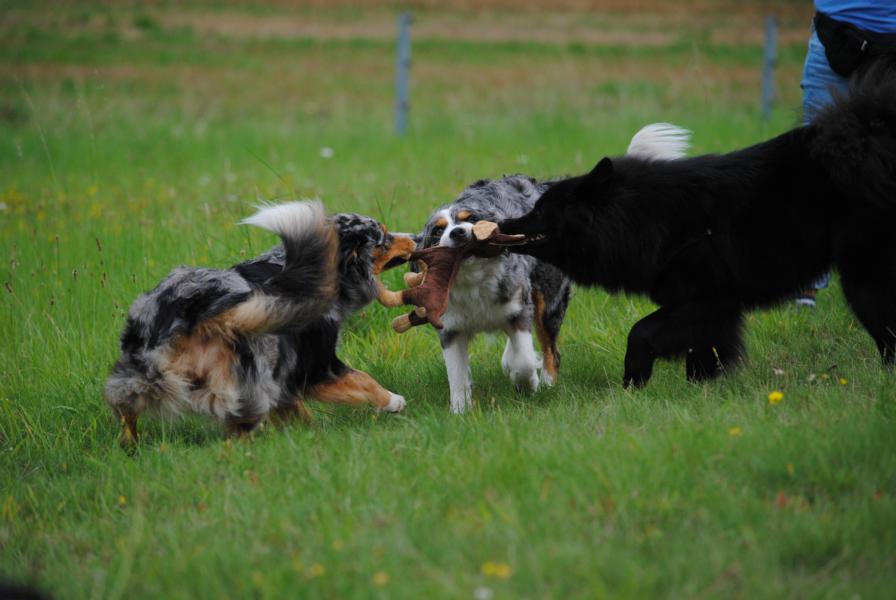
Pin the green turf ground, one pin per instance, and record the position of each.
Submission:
(133, 141)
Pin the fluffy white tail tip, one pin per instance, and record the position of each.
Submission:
(661, 141)
(289, 218)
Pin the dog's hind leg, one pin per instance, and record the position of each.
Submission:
(519, 361)
(547, 328)
(717, 342)
(865, 259)
(709, 334)
(357, 387)
(128, 415)
(127, 411)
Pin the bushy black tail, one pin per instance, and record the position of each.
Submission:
(855, 138)
(306, 286)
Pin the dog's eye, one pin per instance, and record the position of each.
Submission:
(472, 219)
(437, 232)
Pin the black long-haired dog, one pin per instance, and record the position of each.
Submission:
(709, 237)
(239, 344)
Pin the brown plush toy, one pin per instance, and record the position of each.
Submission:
(428, 290)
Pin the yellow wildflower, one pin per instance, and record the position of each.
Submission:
(380, 578)
(735, 432)
(257, 578)
(316, 570)
(775, 397)
(10, 508)
(844, 381)
(496, 569)
(122, 501)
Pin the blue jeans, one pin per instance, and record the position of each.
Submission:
(819, 80)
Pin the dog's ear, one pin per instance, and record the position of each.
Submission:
(593, 183)
(602, 171)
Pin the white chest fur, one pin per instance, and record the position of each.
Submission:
(474, 303)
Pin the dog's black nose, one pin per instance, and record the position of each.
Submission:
(457, 234)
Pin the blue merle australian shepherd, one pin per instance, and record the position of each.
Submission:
(259, 338)
(513, 293)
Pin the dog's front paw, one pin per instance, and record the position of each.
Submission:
(396, 403)
(525, 380)
(634, 381)
(460, 405)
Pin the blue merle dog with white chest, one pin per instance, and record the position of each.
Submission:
(513, 293)
(509, 293)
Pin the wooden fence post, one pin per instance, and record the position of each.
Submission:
(768, 66)
(403, 63)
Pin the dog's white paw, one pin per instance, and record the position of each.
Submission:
(461, 405)
(396, 403)
(525, 380)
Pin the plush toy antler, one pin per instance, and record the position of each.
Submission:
(428, 290)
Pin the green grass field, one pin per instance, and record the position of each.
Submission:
(132, 141)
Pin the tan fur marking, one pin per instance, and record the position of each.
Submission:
(206, 359)
(441, 222)
(463, 215)
(402, 246)
(355, 387)
(250, 316)
(548, 346)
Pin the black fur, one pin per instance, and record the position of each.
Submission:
(710, 237)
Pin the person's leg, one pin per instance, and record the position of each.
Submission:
(819, 83)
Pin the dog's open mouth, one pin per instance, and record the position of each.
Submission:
(535, 238)
(394, 254)
(396, 261)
